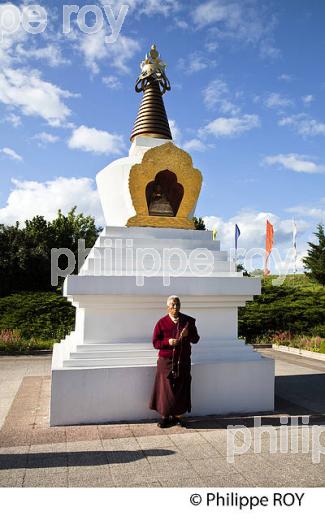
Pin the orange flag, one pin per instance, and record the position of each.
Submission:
(269, 237)
(268, 245)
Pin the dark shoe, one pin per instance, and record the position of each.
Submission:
(179, 421)
(164, 423)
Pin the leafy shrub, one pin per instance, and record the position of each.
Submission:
(46, 316)
(297, 306)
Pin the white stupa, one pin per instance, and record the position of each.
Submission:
(104, 370)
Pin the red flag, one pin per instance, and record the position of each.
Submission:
(268, 245)
(269, 237)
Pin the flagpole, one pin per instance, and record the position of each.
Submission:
(237, 235)
(294, 244)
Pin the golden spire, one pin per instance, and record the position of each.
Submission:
(152, 119)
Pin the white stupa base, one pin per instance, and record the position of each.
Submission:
(86, 395)
(104, 370)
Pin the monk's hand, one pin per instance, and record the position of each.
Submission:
(185, 333)
(173, 342)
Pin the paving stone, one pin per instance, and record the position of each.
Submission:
(124, 456)
(90, 477)
(84, 446)
(46, 436)
(212, 467)
(140, 484)
(199, 451)
(297, 468)
(53, 479)
(12, 477)
(130, 473)
(55, 461)
(81, 433)
(193, 481)
(156, 441)
(13, 461)
(186, 438)
(223, 442)
(112, 432)
(14, 449)
(231, 480)
(49, 448)
(96, 482)
(260, 472)
(129, 443)
(180, 470)
(90, 458)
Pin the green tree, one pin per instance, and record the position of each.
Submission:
(315, 259)
(199, 223)
(25, 252)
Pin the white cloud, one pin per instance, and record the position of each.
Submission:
(313, 212)
(30, 198)
(190, 145)
(304, 125)
(215, 11)
(194, 145)
(308, 99)
(195, 62)
(46, 138)
(176, 133)
(95, 49)
(51, 54)
(217, 94)
(237, 20)
(276, 100)
(9, 152)
(145, 7)
(152, 7)
(13, 119)
(24, 89)
(112, 82)
(295, 162)
(181, 24)
(10, 41)
(22, 86)
(268, 50)
(96, 141)
(316, 213)
(285, 77)
(233, 126)
(211, 46)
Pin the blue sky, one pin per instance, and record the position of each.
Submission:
(247, 101)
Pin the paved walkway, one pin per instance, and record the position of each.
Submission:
(141, 455)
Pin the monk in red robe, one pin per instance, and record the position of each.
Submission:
(172, 336)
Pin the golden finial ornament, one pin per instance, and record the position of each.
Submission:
(152, 120)
(152, 69)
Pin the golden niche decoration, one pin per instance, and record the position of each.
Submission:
(164, 188)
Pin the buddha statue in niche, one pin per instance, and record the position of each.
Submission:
(159, 204)
(164, 195)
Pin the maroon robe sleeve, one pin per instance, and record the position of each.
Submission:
(158, 339)
(193, 336)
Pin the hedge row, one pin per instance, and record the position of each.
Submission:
(43, 315)
(296, 306)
